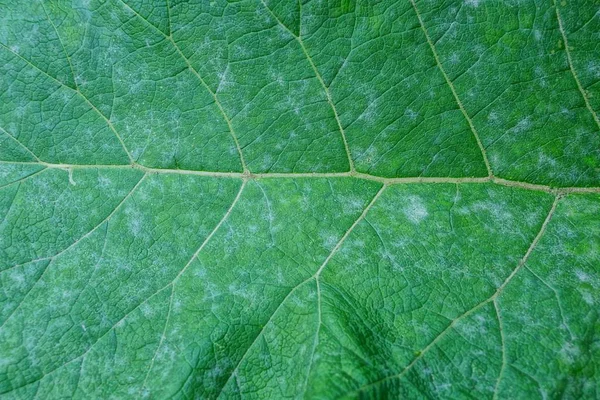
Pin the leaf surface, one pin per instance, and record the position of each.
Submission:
(299, 199)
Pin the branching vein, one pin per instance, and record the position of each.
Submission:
(470, 311)
(169, 284)
(61, 44)
(52, 258)
(20, 144)
(202, 81)
(315, 276)
(79, 93)
(503, 344)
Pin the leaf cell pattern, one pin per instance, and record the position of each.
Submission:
(299, 199)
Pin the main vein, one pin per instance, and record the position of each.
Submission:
(322, 175)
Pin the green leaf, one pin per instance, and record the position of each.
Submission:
(299, 199)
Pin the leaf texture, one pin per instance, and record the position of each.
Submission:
(299, 199)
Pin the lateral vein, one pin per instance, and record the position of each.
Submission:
(453, 90)
(298, 38)
(572, 68)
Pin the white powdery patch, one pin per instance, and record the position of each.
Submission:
(353, 205)
(582, 276)
(493, 117)
(267, 161)
(370, 114)
(588, 298)
(7, 170)
(147, 310)
(522, 126)
(545, 160)
(569, 352)
(370, 155)
(276, 77)
(594, 69)
(411, 114)
(415, 210)
(226, 80)
(329, 239)
(18, 279)
(136, 224)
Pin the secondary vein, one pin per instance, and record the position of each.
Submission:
(572, 68)
(453, 90)
(298, 38)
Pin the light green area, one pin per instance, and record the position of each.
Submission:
(162, 234)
